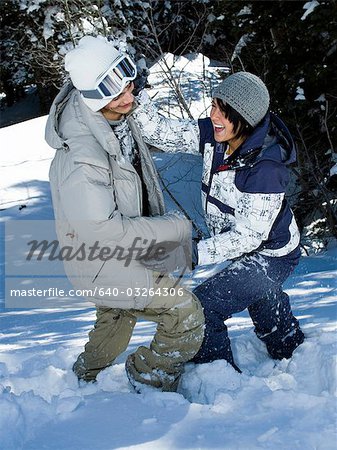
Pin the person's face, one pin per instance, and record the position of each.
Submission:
(223, 128)
(120, 105)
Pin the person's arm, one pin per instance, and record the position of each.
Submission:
(254, 217)
(170, 135)
(87, 197)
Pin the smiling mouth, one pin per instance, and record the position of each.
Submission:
(218, 128)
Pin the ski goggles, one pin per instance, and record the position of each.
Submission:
(113, 81)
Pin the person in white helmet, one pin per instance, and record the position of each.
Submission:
(105, 192)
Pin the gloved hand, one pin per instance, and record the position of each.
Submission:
(166, 257)
(143, 72)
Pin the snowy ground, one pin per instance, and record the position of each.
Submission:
(290, 404)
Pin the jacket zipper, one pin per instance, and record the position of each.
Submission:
(211, 174)
(140, 194)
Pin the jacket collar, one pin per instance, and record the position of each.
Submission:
(94, 121)
(98, 126)
(271, 140)
(257, 138)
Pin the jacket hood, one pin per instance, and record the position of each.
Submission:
(275, 140)
(70, 118)
(52, 133)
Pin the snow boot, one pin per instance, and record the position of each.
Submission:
(155, 379)
(285, 347)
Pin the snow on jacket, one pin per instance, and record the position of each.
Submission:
(243, 196)
(97, 197)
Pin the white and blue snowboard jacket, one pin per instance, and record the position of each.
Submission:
(243, 195)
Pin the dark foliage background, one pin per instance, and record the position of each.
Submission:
(294, 54)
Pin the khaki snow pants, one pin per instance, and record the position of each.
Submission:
(178, 337)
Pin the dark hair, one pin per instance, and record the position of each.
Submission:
(241, 128)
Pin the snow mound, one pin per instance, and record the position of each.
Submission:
(201, 383)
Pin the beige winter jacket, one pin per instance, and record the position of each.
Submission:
(97, 199)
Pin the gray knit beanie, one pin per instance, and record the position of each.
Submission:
(247, 94)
